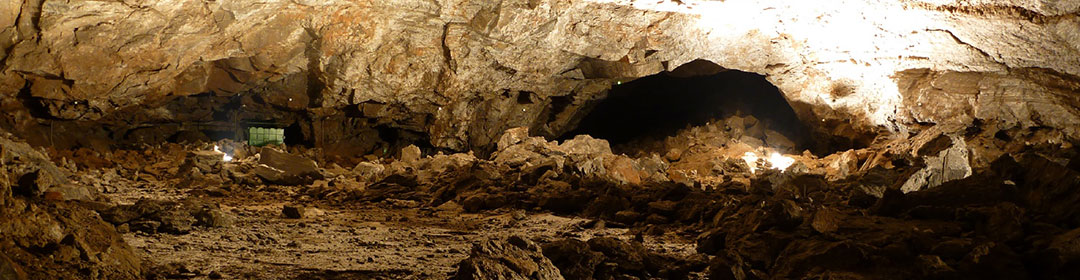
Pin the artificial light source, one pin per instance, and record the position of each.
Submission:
(751, 159)
(780, 162)
(226, 157)
(776, 160)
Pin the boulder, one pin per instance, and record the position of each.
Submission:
(511, 258)
(623, 170)
(49, 240)
(410, 154)
(841, 166)
(204, 161)
(28, 171)
(286, 169)
(584, 146)
(778, 141)
(69, 192)
(293, 211)
(610, 258)
(573, 258)
(511, 137)
(948, 164)
(673, 154)
(826, 220)
(9, 270)
(213, 217)
(369, 171)
(176, 221)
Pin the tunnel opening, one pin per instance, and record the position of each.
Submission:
(644, 115)
(294, 136)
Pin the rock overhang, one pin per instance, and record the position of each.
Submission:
(452, 70)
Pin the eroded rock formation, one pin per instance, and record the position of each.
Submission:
(460, 72)
(936, 136)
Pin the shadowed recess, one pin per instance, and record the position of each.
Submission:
(657, 106)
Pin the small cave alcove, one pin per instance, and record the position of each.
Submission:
(294, 136)
(638, 114)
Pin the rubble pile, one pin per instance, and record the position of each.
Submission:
(151, 216)
(42, 236)
(512, 258)
(931, 205)
(847, 215)
(610, 258)
(934, 142)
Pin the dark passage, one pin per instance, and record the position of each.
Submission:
(294, 135)
(657, 106)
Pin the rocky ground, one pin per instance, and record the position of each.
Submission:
(727, 200)
(945, 146)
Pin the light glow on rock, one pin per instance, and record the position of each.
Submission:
(751, 159)
(780, 162)
(775, 160)
(860, 44)
(226, 157)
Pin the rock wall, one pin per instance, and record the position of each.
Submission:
(462, 71)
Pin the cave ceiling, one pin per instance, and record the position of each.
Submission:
(453, 70)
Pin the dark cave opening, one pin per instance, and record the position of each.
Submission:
(651, 108)
(294, 136)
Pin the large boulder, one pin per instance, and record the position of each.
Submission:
(49, 239)
(28, 171)
(511, 258)
(286, 169)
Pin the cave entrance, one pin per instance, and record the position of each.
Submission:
(639, 116)
(294, 136)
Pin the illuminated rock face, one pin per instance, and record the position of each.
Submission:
(462, 71)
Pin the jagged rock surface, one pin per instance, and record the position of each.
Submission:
(42, 238)
(513, 258)
(462, 71)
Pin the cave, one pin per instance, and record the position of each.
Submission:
(539, 139)
(658, 106)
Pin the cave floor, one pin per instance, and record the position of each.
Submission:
(713, 205)
(392, 239)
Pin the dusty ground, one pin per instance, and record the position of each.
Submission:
(393, 239)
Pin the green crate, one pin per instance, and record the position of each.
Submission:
(262, 136)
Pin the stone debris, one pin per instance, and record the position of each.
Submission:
(945, 147)
(410, 153)
(51, 239)
(936, 79)
(818, 217)
(511, 137)
(841, 165)
(153, 216)
(512, 258)
(947, 162)
(29, 171)
(609, 258)
(286, 169)
(293, 211)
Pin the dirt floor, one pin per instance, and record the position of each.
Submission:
(392, 239)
